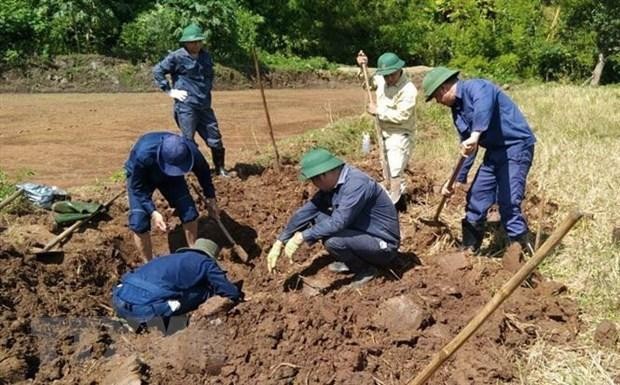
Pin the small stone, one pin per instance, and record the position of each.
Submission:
(606, 334)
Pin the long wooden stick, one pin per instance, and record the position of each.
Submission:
(262, 93)
(79, 223)
(455, 173)
(384, 165)
(506, 290)
(11, 197)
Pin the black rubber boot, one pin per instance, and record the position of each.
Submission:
(218, 161)
(472, 236)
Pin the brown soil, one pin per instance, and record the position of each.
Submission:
(80, 139)
(55, 321)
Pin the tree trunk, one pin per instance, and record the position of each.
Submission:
(598, 70)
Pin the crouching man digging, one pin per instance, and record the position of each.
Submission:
(351, 213)
(174, 285)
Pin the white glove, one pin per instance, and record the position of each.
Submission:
(179, 95)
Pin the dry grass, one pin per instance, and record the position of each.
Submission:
(577, 164)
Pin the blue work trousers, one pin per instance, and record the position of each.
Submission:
(202, 120)
(502, 178)
(358, 249)
(178, 197)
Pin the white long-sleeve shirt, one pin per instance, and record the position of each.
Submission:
(396, 105)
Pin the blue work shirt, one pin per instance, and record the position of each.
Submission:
(194, 75)
(144, 174)
(189, 277)
(482, 106)
(356, 202)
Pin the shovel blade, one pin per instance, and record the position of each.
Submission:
(52, 257)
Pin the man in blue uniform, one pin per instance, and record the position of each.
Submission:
(173, 285)
(191, 71)
(351, 213)
(485, 116)
(159, 160)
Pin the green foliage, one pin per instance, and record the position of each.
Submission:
(505, 40)
(6, 188)
(295, 63)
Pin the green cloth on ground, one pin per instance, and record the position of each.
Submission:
(66, 212)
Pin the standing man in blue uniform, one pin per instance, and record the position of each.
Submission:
(174, 285)
(159, 160)
(485, 116)
(351, 213)
(191, 71)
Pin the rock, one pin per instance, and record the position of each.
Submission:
(125, 372)
(606, 334)
(512, 259)
(453, 262)
(615, 235)
(401, 316)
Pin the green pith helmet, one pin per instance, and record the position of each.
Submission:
(205, 246)
(192, 33)
(389, 63)
(435, 78)
(316, 162)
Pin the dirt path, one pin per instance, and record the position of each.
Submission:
(75, 139)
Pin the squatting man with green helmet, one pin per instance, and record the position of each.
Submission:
(395, 112)
(351, 213)
(191, 71)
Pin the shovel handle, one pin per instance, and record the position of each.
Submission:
(79, 223)
(384, 165)
(455, 173)
(226, 233)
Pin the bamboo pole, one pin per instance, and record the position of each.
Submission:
(384, 165)
(11, 198)
(262, 93)
(506, 290)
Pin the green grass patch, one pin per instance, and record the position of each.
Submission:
(281, 62)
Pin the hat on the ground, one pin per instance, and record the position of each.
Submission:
(316, 162)
(205, 246)
(435, 78)
(389, 63)
(192, 33)
(174, 156)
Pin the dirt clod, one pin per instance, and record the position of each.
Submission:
(606, 334)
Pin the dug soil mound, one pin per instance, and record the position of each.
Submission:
(300, 325)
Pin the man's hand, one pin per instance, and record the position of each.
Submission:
(274, 254)
(293, 244)
(212, 208)
(362, 59)
(371, 108)
(470, 145)
(445, 191)
(179, 95)
(158, 221)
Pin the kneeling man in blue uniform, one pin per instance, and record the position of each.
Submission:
(485, 116)
(159, 160)
(351, 213)
(173, 285)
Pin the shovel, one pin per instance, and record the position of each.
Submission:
(435, 221)
(240, 251)
(236, 247)
(11, 198)
(46, 253)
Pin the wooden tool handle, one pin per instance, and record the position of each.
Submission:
(79, 223)
(506, 290)
(453, 176)
(11, 197)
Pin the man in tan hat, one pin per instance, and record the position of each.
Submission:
(351, 214)
(191, 71)
(395, 112)
(173, 285)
